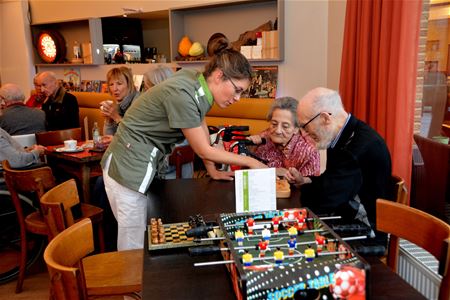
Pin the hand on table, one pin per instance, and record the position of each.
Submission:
(222, 175)
(39, 148)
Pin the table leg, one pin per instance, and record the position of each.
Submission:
(85, 186)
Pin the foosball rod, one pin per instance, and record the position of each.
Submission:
(351, 238)
(223, 262)
(256, 235)
(283, 221)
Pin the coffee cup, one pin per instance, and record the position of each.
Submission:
(70, 144)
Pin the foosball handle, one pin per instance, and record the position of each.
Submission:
(207, 250)
(199, 231)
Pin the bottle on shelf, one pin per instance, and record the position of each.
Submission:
(96, 138)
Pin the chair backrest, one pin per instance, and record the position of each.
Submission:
(25, 140)
(433, 191)
(56, 205)
(34, 181)
(397, 190)
(63, 258)
(420, 228)
(57, 137)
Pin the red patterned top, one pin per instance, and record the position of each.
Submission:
(298, 153)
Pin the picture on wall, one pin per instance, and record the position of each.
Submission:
(263, 83)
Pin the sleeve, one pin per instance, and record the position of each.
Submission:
(16, 158)
(182, 111)
(109, 128)
(72, 111)
(310, 165)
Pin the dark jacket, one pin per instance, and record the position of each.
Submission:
(359, 164)
(61, 111)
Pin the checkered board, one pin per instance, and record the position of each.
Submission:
(175, 234)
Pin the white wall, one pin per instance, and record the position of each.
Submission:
(16, 65)
(313, 39)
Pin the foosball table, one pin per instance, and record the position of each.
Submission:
(288, 254)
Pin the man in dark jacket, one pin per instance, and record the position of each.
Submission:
(358, 166)
(60, 107)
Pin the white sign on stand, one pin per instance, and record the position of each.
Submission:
(255, 190)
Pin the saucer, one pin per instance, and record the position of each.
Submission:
(62, 149)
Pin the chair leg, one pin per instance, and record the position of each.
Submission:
(23, 260)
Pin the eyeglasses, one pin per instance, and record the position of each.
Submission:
(237, 90)
(312, 119)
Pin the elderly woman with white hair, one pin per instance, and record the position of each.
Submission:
(156, 75)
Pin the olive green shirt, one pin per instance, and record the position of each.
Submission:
(152, 125)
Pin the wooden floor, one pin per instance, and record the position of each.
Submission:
(35, 287)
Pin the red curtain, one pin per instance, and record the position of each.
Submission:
(378, 72)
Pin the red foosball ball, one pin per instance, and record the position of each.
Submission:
(289, 254)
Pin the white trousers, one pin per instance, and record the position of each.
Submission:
(130, 210)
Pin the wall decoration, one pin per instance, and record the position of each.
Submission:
(51, 46)
(263, 83)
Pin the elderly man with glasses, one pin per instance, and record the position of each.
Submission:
(358, 162)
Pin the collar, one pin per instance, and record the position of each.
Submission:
(336, 139)
(15, 104)
(204, 90)
(58, 97)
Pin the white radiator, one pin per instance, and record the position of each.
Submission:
(419, 268)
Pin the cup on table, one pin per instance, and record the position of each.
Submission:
(70, 144)
(102, 104)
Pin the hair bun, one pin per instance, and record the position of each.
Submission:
(217, 43)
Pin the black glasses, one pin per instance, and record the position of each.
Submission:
(312, 119)
(237, 90)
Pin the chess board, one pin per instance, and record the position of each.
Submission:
(175, 237)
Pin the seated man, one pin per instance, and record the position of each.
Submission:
(358, 162)
(38, 97)
(17, 156)
(17, 118)
(61, 108)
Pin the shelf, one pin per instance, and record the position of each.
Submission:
(231, 19)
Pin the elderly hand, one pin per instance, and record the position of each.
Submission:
(294, 176)
(256, 139)
(109, 110)
(222, 175)
(39, 148)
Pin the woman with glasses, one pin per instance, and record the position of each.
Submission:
(161, 117)
(286, 149)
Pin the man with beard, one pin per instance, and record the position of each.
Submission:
(358, 165)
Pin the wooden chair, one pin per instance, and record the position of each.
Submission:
(57, 205)
(432, 191)
(420, 228)
(74, 276)
(397, 190)
(34, 181)
(181, 155)
(57, 137)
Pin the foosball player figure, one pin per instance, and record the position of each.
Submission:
(310, 254)
(239, 236)
(300, 222)
(342, 248)
(278, 255)
(320, 242)
(276, 222)
(266, 234)
(292, 244)
(247, 259)
(293, 232)
(250, 223)
(262, 246)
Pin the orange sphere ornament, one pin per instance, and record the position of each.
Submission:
(184, 46)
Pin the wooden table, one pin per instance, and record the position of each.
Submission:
(80, 164)
(171, 275)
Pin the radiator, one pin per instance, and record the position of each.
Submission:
(419, 268)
